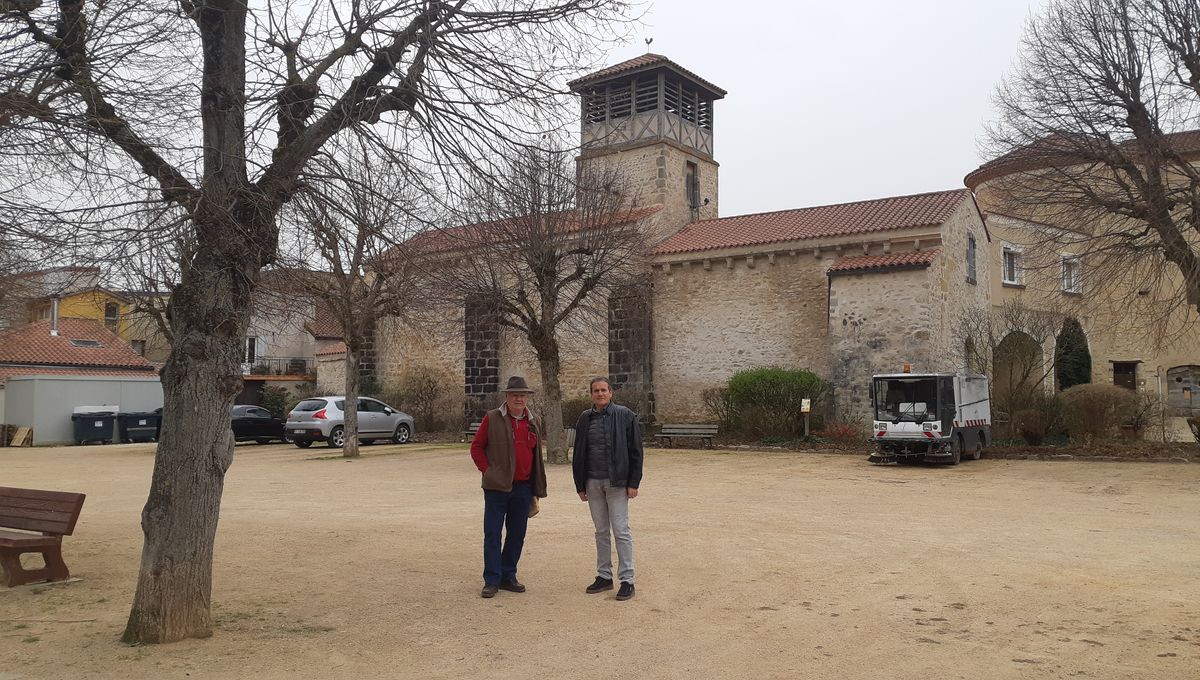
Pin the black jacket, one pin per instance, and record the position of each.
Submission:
(625, 435)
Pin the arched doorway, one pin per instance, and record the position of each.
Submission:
(1018, 369)
(1072, 359)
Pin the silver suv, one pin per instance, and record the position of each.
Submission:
(323, 419)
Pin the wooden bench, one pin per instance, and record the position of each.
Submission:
(669, 432)
(469, 433)
(53, 515)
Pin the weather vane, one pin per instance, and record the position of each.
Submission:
(648, 41)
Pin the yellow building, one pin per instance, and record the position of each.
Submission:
(115, 310)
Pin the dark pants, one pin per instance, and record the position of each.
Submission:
(504, 510)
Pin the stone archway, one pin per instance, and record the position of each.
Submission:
(1018, 369)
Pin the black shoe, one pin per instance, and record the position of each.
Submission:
(513, 586)
(488, 591)
(600, 585)
(626, 591)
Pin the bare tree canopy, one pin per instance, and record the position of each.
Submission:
(1097, 141)
(549, 244)
(213, 109)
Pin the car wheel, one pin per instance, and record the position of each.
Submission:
(337, 438)
(956, 450)
(977, 451)
(402, 434)
(303, 443)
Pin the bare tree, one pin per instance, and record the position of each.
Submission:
(351, 213)
(552, 243)
(1010, 344)
(214, 109)
(1089, 144)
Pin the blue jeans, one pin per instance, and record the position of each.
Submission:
(504, 510)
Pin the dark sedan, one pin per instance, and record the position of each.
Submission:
(255, 423)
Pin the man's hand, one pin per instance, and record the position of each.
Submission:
(583, 496)
(631, 491)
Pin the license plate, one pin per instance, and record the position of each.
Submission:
(298, 431)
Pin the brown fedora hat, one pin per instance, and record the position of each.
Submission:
(517, 384)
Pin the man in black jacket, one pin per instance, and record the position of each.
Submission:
(608, 470)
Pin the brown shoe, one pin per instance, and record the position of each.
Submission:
(600, 585)
(513, 586)
(488, 591)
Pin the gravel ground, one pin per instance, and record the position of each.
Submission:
(750, 565)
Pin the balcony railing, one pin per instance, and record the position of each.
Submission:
(289, 366)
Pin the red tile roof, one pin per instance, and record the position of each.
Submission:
(641, 63)
(338, 348)
(450, 238)
(33, 345)
(1066, 150)
(912, 259)
(324, 326)
(884, 214)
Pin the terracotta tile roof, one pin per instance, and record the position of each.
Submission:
(33, 345)
(912, 259)
(324, 326)
(338, 348)
(884, 214)
(7, 372)
(1065, 150)
(641, 63)
(450, 238)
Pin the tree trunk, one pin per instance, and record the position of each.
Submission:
(350, 450)
(552, 425)
(209, 315)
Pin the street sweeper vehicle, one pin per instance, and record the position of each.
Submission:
(942, 417)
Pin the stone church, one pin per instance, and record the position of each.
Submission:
(843, 290)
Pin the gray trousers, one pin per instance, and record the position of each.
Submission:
(610, 513)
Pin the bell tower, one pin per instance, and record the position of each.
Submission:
(653, 119)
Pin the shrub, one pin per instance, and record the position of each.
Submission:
(571, 408)
(1043, 419)
(276, 400)
(429, 397)
(718, 405)
(767, 401)
(1096, 411)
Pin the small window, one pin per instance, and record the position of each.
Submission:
(971, 258)
(138, 346)
(86, 343)
(1011, 266)
(112, 315)
(251, 346)
(1072, 274)
(692, 188)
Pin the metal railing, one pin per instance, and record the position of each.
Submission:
(297, 366)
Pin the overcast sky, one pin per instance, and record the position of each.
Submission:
(843, 101)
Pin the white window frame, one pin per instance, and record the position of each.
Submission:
(1076, 284)
(1018, 278)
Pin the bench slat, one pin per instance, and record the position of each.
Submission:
(12, 539)
(52, 512)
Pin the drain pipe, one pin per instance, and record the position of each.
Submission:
(54, 315)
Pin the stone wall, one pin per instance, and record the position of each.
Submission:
(657, 172)
(952, 296)
(712, 320)
(331, 373)
(878, 321)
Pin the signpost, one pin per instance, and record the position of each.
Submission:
(805, 407)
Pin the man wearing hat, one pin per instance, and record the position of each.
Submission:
(508, 452)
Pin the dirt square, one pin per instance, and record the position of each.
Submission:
(750, 565)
